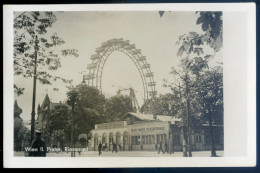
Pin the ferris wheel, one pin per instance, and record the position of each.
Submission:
(95, 69)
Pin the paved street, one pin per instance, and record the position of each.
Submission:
(128, 154)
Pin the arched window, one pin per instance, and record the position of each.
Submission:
(118, 136)
(96, 139)
(111, 140)
(126, 138)
(104, 138)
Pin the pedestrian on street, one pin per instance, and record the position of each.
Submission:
(114, 148)
(172, 148)
(99, 148)
(166, 147)
(38, 145)
(160, 148)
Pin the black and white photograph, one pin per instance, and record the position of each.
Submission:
(107, 84)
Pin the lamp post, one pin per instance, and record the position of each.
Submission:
(36, 48)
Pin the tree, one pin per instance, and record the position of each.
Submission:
(87, 108)
(194, 61)
(73, 97)
(35, 51)
(59, 120)
(18, 125)
(209, 95)
(117, 106)
(58, 137)
(193, 64)
(167, 104)
(90, 97)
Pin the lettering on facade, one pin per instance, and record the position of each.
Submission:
(111, 125)
(147, 129)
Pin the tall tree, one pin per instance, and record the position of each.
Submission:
(36, 52)
(73, 97)
(87, 105)
(194, 61)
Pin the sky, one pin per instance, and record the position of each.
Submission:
(85, 31)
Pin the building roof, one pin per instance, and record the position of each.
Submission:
(158, 117)
(142, 116)
(168, 118)
(46, 102)
(52, 105)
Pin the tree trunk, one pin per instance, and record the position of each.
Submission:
(188, 116)
(212, 138)
(72, 132)
(189, 127)
(184, 153)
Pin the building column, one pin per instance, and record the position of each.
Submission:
(92, 143)
(141, 141)
(99, 140)
(121, 139)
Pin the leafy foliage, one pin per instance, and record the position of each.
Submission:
(117, 106)
(18, 91)
(59, 118)
(168, 105)
(212, 24)
(201, 87)
(209, 95)
(31, 39)
(90, 97)
(88, 104)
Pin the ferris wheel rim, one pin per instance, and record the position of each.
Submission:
(103, 53)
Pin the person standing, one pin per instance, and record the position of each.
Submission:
(166, 147)
(99, 149)
(160, 148)
(114, 148)
(38, 146)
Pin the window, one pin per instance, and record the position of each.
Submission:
(103, 140)
(176, 140)
(198, 138)
(133, 140)
(164, 137)
(158, 139)
(207, 139)
(217, 139)
(150, 139)
(143, 140)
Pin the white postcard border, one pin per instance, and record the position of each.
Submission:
(245, 160)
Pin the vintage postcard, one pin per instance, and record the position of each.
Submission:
(114, 85)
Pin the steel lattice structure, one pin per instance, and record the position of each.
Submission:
(94, 77)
